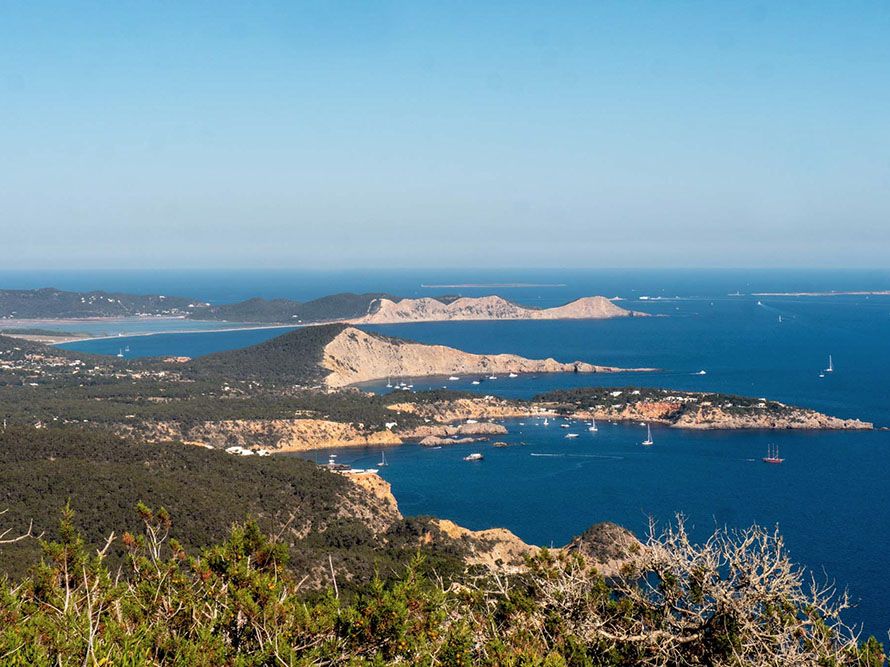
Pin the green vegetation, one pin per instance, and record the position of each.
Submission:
(292, 358)
(53, 303)
(344, 306)
(241, 602)
(316, 512)
(569, 400)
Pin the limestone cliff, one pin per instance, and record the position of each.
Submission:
(357, 356)
(386, 311)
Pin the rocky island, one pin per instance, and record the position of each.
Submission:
(388, 311)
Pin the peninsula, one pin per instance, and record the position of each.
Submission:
(292, 393)
(23, 306)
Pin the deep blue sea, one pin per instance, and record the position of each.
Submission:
(831, 497)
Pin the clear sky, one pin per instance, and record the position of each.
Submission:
(327, 134)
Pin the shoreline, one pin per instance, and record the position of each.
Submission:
(178, 331)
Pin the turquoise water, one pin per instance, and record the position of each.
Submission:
(831, 498)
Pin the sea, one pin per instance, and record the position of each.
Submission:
(830, 499)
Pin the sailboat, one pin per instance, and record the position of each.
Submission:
(383, 462)
(772, 455)
(830, 368)
(120, 353)
(592, 426)
(388, 383)
(648, 441)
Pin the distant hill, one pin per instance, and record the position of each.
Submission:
(337, 355)
(369, 308)
(386, 311)
(294, 358)
(345, 306)
(50, 303)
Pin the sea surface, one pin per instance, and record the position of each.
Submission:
(830, 499)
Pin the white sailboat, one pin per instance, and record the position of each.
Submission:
(388, 383)
(120, 353)
(830, 368)
(648, 441)
(383, 462)
(592, 428)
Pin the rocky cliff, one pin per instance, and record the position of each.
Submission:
(705, 411)
(357, 356)
(387, 311)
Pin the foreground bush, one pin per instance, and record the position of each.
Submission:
(735, 600)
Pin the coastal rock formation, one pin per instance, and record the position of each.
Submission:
(487, 407)
(438, 441)
(387, 311)
(495, 548)
(688, 409)
(447, 430)
(279, 435)
(606, 545)
(357, 356)
(380, 489)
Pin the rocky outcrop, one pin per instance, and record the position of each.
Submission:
(495, 548)
(278, 435)
(710, 417)
(380, 489)
(460, 409)
(606, 545)
(706, 416)
(438, 441)
(357, 356)
(386, 311)
(448, 430)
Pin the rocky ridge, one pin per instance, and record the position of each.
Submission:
(388, 311)
(357, 356)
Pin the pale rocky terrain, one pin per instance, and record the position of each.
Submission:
(357, 356)
(488, 407)
(386, 311)
(604, 545)
(705, 417)
(278, 435)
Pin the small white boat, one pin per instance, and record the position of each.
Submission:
(571, 435)
(648, 441)
(702, 372)
(120, 353)
(546, 422)
(564, 425)
(383, 462)
(475, 382)
(592, 428)
(513, 375)
(454, 378)
(492, 377)
(830, 368)
(388, 383)
(475, 456)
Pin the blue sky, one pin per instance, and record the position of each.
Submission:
(304, 134)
